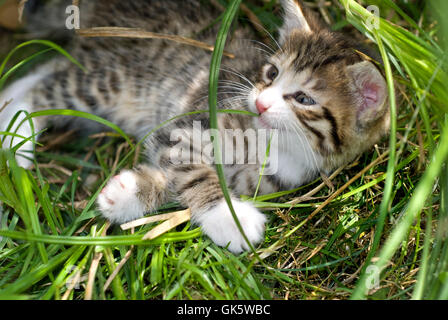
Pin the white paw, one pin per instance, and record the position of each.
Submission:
(118, 200)
(218, 224)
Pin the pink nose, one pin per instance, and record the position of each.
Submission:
(261, 107)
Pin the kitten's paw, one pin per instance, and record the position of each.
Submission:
(219, 225)
(118, 201)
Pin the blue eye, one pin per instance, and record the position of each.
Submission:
(272, 73)
(302, 98)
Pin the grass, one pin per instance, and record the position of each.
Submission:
(378, 232)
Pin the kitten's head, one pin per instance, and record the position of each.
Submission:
(317, 87)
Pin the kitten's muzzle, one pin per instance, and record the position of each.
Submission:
(262, 107)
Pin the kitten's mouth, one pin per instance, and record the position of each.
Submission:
(268, 123)
(264, 122)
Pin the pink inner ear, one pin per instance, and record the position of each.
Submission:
(370, 92)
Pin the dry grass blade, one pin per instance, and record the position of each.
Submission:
(309, 194)
(120, 32)
(315, 251)
(93, 267)
(266, 252)
(117, 269)
(155, 218)
(73, 282)
(62, 169)
(174, 221)
(56, 140)
(117, 155)
(20, 8)
(92, 272)
(90, 153)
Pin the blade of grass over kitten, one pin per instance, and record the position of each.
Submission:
(46, 43)
(213, 89)
(81, 114)
(262, 168)
(215, 65)
(7, 74)
(10, 125)
(25, 139)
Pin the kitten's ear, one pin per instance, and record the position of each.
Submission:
(293, 19)
(371, 90)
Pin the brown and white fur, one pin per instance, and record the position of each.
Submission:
(328, 104)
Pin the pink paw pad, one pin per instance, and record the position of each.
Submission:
(118, 200)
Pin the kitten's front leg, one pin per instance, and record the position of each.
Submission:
(198, 188)
(130, 194)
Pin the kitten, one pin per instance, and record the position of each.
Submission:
(326, 103)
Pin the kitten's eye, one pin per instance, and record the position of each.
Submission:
(302, 98)
(272, 73)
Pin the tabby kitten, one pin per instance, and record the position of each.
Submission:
(327, 104)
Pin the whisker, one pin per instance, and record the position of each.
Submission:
(301, 138)
(264, 52)
(232, 100)
(292, 143)
(236, 84)
(238, 75)
(269, 34)
(231, 92)
(237, 89)
(309, 145)
(269, 50)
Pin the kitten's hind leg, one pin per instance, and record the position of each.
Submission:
(13, 99)
(130, 194)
